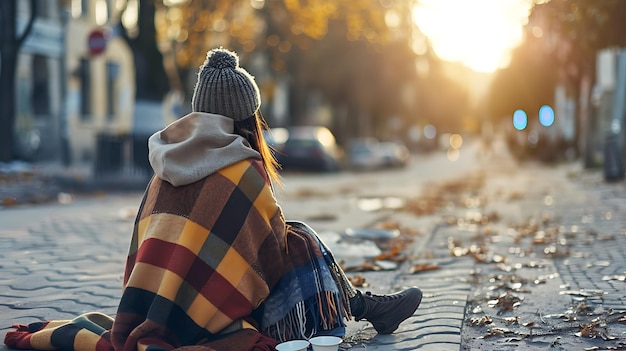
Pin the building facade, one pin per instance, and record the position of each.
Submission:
(75, 80)
(39, 82)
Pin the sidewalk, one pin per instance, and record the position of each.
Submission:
(27, 183)
(528, 259)
(516, 258)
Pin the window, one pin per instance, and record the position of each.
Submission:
(102, 12)
(85, 90)
(113, 70)
(41, 86)
(79, 8)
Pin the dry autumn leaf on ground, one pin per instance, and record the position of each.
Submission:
(358, 281)
(423, 267)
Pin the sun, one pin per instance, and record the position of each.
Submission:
(477, 33)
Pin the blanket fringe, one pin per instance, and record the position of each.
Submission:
(324, 300)
(20, 338)
(301, 322)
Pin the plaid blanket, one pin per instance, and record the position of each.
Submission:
(202, 262)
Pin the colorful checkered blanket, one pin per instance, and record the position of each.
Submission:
(203, 260)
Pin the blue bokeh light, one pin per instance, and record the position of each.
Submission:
(520, 119)
(546, 116)
(430, 131)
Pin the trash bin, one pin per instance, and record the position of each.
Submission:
(613, 165)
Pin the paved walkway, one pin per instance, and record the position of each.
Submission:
(534, 260)
(521, 258)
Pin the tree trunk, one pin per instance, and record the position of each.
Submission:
(9, 48)
(7, 107)
(155, 71)
(298, 93)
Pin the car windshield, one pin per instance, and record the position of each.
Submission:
(361, 149)
(302, 143)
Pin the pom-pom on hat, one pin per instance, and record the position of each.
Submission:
(224, 88)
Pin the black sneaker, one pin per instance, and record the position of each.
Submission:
(386, 312)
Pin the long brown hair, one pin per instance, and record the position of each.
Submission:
(252, 130)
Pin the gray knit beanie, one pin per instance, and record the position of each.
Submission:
(224, 88)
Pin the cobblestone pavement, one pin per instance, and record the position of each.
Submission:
(533, 255)
(59, 262)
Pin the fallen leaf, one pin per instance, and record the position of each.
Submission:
(423, 267)
(358, 281)
(614, 277)
(511, 320)
(496, 332)
(9, 201)
(484, 320)
(366, 265)
(394, 254)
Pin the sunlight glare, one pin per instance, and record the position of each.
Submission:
(478, 33)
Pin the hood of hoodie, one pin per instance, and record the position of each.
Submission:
(195, 146)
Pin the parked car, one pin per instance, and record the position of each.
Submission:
(395, 154)
(364, 154)
(309, 148)
(275, 137)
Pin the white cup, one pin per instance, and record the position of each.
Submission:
(293, 345)
(325, 343)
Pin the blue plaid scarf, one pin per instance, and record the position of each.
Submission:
(312, 298)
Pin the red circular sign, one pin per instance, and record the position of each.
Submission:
(96, 42)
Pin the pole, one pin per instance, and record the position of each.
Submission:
(66, 156)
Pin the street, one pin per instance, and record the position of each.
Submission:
(509, 256)
(473, 149)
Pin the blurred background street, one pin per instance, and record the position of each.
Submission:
(84, 83)
(472, 147)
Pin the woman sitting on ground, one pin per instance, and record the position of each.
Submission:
(213, 264)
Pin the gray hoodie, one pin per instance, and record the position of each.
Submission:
(195, 146)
